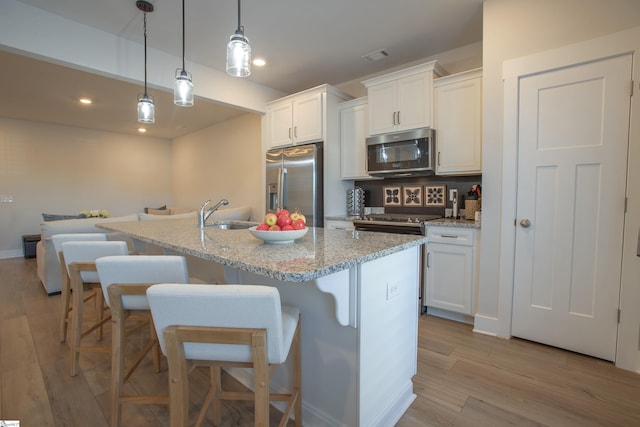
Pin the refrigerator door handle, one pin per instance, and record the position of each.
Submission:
(279, 191)
(283, 188)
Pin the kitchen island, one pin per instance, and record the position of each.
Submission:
(358, 295)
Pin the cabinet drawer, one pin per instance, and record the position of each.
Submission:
(450, 235)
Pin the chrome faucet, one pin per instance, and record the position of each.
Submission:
(205, 215)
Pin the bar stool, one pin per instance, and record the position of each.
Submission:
(80, 260)
(65, 291)
(226, 325)
(125, 280)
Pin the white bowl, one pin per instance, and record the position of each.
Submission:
(278, 237)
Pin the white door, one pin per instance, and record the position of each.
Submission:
(572, 159)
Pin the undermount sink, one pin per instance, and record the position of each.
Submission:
(231, 225)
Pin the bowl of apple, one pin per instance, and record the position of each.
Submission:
(281, 227)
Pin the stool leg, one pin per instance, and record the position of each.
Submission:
(76, 327)
(65, 295)
(117, 364)
(216, 407)
(297, 375)
(178, 380)
(261, 378)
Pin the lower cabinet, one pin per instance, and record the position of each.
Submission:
(451, 269)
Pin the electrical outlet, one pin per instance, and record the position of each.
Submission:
(393, 289)
(6, 199)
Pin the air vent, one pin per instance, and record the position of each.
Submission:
(376, 55)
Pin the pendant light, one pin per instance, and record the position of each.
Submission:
(146, 108)
(239, 52)
(183, 86)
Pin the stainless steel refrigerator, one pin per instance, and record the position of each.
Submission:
(294, 181)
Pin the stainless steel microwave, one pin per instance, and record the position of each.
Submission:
(409, 153)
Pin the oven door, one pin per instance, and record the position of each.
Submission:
(407, 153)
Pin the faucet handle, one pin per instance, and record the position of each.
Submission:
(205, 204)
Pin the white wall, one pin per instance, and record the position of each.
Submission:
(63, 170)
(222, 161)
(512, 29)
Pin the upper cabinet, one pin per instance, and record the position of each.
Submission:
(458, 123)
(402, 100)
(353, 134)
(296, 119)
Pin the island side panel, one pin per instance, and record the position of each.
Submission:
(329, 351)
(388, 328)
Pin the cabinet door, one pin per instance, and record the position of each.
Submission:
(307, 119)
(280, 128)
(382, 107)
(414, 102)
(353, 144)
(450, 277)
(458, 124)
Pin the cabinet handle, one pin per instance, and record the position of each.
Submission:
(438, 158)
(394, 118)
(428, 259)
(398, 118)
(295, 131)
(449, 236)
(289, 133)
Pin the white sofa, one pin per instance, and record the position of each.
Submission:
(48, 264)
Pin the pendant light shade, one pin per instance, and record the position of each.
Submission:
(239, 52)
(183, 86)
(146, 107)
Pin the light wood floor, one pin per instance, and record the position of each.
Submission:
(464, 379)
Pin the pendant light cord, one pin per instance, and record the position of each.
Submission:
(145, 54)
(240, 29)
(183, 68)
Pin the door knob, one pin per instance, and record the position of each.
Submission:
(525, 223)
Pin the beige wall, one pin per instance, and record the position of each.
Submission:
(223, 161)
(513, 29)
(63, 170)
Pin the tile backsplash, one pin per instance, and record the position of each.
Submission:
(427, 195)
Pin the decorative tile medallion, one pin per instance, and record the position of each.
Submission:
(411, 196)
(392, 196)
(435, 195)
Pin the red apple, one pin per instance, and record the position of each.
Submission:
(283, 219)
(282, 212)
(270, 219)
(298, 224)
(262, 227)
(274, 227)
(287, 228)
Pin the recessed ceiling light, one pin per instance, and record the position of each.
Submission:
(142, 130)
(85, 101)
(259, 62)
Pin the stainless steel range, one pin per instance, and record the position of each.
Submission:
(402, 224)
(394, 223)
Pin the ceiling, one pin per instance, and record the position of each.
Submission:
(305, 43)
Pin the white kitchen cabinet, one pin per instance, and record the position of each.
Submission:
(458, 123)
(451, 269)
(402, 100)
(296, 120)
(308, 117)
(353, 134)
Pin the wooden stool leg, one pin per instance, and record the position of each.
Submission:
(65, 295)
(178, 381)
(157, 351)
(297, 375)
(261, 378)
(117, 364)
(76, 327)
(216, 406)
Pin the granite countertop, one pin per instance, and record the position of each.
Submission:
(320, 252)
(451, 222)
